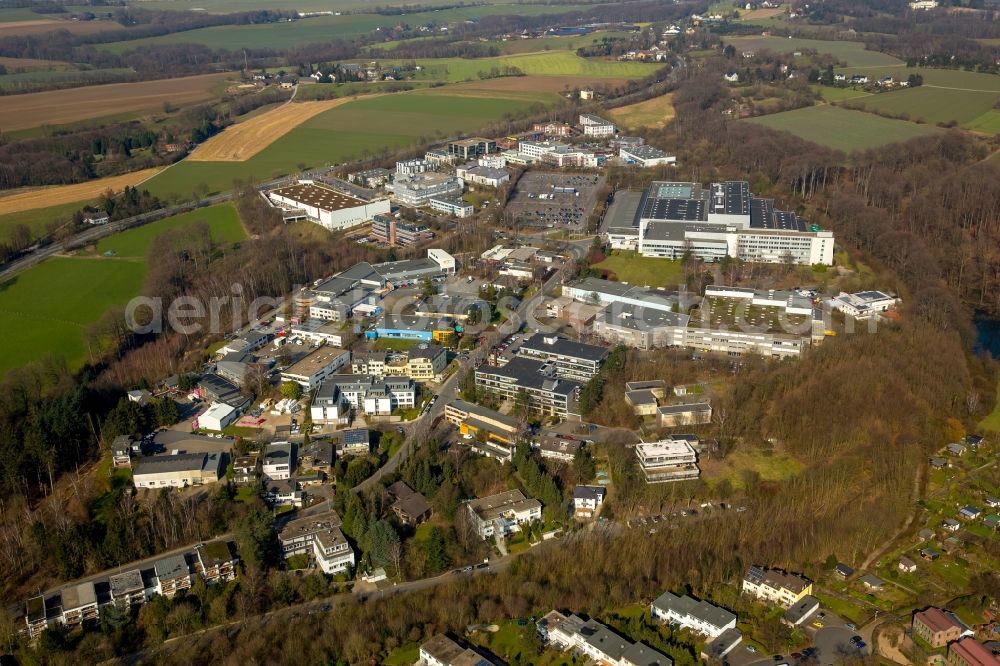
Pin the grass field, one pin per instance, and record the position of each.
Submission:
(74, 104)
(933, 105)
(555, 63)
(323, 29)
(135, 243)
(642, 271)
(29, 64)
(57, 195)
(655, 112)
(45, 309)
(989, 123)
(843, 129)
(244, 140)
(992, 421)
(45, 78)
(227, 6)
(366, 125)
(851, 53)
(770, 465)
(37, 219)
(831, 94)
(512, 46)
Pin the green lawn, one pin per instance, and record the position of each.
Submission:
(843, 129)
(44, 310)
(933, 105)
(323, 29)
(383, 344)
(403, 656)
(222, 219)
(642, 271)
(989, 122)
(853, 54)
(38, 219)
(367, 125)
(771, 465)
(555, 63)
(992, 421)
(831, 94)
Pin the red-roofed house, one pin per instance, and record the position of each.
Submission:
(970, 652)
(936, 627)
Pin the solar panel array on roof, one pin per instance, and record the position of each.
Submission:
(764, 216)
(755, 575)
(691, 210)
(731, 197)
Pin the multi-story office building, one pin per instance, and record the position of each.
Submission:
(388, 229)
(471, 148)
(417, 190)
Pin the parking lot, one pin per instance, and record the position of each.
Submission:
(555, 200)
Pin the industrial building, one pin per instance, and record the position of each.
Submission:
(331, 209)
(670, 219)
(645, 156)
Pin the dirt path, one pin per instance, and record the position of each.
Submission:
(243, 140)
(885, 545)
(56, 195)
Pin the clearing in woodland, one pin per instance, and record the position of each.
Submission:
(655, 112)
(244, 140)
(56, 195)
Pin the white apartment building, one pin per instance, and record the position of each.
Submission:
(667, 461)
(503, 514)
(280, 461)
(372, 396)
(414, 166)
(586, 500)
(596, 126)
(452, 204)
(694, 614)
(319, 536)
(599, 643)
(775, 586)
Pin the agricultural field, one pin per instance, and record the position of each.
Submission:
(242, 141)
(38, 219)
(843, 129)
(539, 44)
(324, 28)
(43, 78)
(954, 79)
(933, 105)
(366, 125)
(853, 54)
(31, 64)
(44, 197)
(556, 63)
(47, 308)
(38, 26)
(59, 107)
(655, 112)
(229, 6)
(531, 85)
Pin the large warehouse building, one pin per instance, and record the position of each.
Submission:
(330, 208)
(726, 219)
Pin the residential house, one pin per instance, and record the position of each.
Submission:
(872, 583)
(216, 562)
(502, 514)
(353, 442)
(79, 604)
(320, 537)
(597, 642)
(936, 627)
(801, 611)
(246, 469)
(776, 586)
(715, 651)
(318, 456)
(970, 512)
(951, 524)
(178, 470)
(587, 499)
(957, 449)
(557, 447)
(280, 461)
(672, 416)
(906, 565)
(173, 575)
(409, 506)
(121, 451)
(694, 614)
(283, 492)
(842, 571)
(440, 650)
